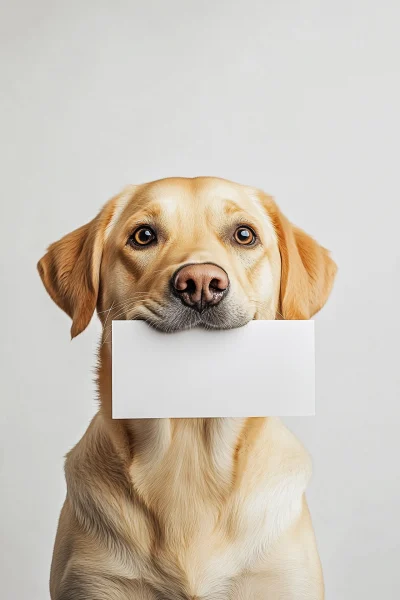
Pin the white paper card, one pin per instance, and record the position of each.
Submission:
(266, 368)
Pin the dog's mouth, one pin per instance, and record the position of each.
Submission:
(176, 317)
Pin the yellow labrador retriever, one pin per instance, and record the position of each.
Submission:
(178, 509)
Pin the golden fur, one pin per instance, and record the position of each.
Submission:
(185, 508)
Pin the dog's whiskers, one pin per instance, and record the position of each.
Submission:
(123, 302)
(129, 306)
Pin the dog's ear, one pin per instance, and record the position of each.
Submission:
(70, 270)
(307, 270)
(70, 273)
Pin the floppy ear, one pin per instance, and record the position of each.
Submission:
(70, 270)
(307, 270)
(70, 273)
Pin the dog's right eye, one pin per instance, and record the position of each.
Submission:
(142, 236)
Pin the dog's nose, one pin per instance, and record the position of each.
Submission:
(200, 285)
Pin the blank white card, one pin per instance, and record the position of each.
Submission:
(266, 368)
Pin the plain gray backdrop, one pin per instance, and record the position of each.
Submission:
(298, 97)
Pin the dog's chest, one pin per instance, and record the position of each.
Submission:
(217, 515)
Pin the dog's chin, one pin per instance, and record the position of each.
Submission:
(177, 317)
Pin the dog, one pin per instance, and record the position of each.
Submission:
(207, 509)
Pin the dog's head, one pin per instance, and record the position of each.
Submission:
(180, 253)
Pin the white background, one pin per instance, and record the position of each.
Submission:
(299, 97)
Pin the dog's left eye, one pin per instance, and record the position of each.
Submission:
(142, 236)
(245, 236)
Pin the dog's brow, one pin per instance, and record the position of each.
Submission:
(231, 208)
(149, 212)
